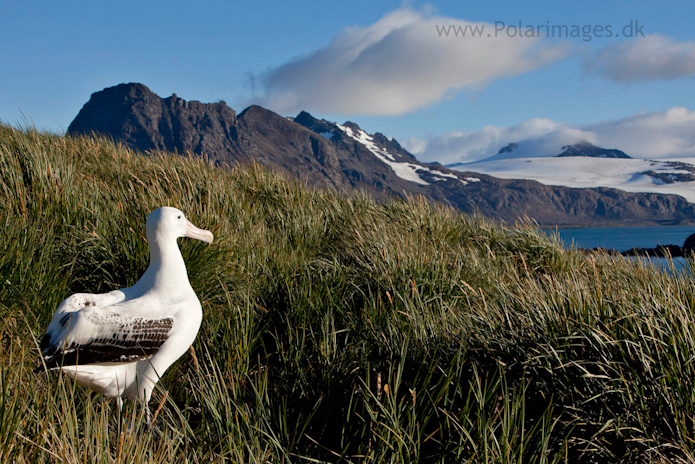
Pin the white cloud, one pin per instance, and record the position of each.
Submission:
(653, 135)
(399, 64)
(644, 59)
(660, 134)
(473, 145)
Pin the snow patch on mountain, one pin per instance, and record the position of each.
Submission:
(407, 171)
(631, 175)
(468, 180)
(443, 175)
(404, 170)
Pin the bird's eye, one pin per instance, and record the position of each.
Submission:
(179, 217)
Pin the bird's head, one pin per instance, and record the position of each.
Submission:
(167, 223)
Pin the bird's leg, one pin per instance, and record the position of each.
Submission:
(119, 403)
(121, 418)
(121, 434)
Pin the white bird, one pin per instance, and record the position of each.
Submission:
(123, 341)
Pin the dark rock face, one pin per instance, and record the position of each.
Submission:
(136, 116)
(665, 251)
(689, 244)
(508, 148)
(588, 149)
(673, 177)
(662, 251)
(344, 158)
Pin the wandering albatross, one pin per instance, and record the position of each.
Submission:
(121, 342)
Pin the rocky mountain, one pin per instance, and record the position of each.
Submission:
(589, 149)
(137, 117)
(344, 157)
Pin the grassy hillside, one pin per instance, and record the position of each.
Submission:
(335, 330)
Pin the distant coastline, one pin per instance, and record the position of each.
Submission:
(621, 226)
(661, 251)
(649, 240)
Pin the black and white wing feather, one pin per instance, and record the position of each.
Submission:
(97, 335)
(75, 303)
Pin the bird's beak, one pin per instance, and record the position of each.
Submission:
(198, 234)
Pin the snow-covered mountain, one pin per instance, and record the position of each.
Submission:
(515, 150)
(585, 165)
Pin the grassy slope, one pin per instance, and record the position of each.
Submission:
(335, 327)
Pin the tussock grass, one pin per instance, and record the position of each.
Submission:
(335, 329)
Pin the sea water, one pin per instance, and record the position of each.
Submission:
(624, 238)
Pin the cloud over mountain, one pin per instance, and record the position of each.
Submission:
(401, 63)
(653, 135)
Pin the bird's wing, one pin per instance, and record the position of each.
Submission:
(75, 303)
(96, 335)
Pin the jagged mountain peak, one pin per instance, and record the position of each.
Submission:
(352, 126)
(131, 88)
(320, 126)
(259, 115)
(138, 117)
(328, 129)
(585, 148)
(256, 109)
(305, 116)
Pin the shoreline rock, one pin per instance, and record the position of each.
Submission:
(660, 251)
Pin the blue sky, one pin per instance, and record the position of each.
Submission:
(379, 64)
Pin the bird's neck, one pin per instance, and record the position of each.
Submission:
(167, 270)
